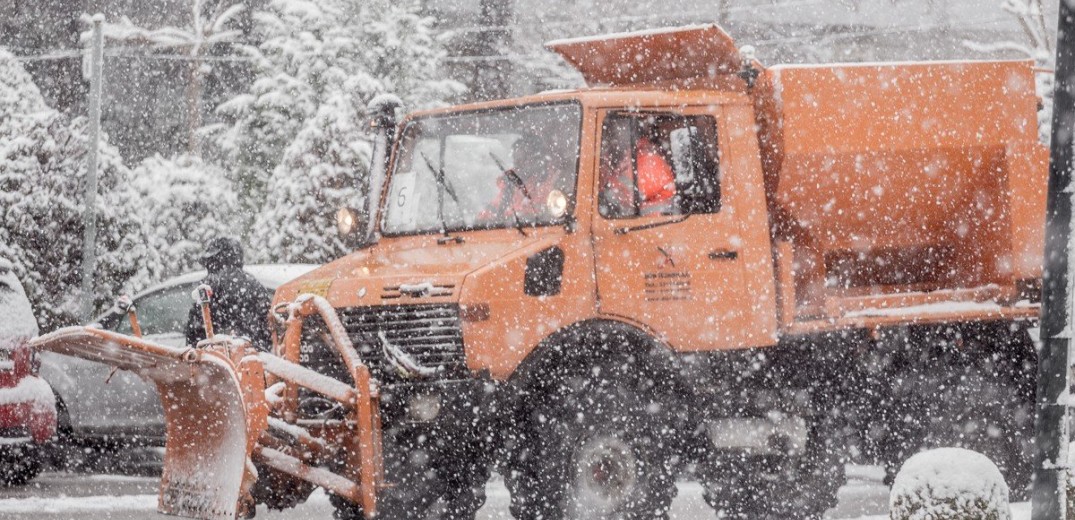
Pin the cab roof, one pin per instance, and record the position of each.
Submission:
(653, 67)
(606, 97)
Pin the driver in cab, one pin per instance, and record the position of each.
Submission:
(525, 192)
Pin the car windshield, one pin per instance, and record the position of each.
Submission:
(489, 169)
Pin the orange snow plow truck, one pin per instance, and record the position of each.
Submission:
(694, 267)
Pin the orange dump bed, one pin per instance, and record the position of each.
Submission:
(897, 191)
(903, 178)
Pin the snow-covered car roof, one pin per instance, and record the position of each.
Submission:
(17, 322)
(270, 275)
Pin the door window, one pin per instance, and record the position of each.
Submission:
(161, 312)
(658, 164)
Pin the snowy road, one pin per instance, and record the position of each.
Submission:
(67, 496)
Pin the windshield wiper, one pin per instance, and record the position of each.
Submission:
(442, 188)
(516, 184)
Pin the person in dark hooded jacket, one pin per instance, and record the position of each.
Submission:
(239, 305)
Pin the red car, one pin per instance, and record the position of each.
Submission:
(27, 404)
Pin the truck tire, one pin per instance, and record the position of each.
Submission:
(975, 407)
(780, 485)
(595, 442)
(971, 387)
(434, 474)
(422, 499)
(278, 490)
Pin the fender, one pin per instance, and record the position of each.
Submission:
(574, 345)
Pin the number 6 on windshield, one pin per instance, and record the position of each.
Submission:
(405, 200)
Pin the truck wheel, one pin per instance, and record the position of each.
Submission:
(433, 479)
(779, 485)
(344, 509)
(978, 409)
(278, 490)
(595, 445)
(19, 464)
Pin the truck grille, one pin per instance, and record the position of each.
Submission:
(430, 334)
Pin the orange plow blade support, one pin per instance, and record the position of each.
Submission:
(213, 400)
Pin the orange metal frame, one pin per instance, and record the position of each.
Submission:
(359, 438)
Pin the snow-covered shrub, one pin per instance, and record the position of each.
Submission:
(17, 323)
(949, 484)
(42, 172)
(313, 57)
(322, 171)
(185, 203)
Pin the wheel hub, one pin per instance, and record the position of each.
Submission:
(605, 477)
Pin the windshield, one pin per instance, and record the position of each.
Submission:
(510, 167)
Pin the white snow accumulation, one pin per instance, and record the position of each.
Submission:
(17, 322)
(40, 505)
(929, 308)
(30, 390)
(949, 483)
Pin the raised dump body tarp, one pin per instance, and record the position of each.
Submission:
(904, 178)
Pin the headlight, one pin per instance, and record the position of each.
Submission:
(346, 221)
(556, 203)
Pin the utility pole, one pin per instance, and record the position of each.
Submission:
(1051, 472)
(89, 215)
(492, 40)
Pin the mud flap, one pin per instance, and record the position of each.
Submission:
(214, 408)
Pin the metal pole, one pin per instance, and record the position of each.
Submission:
(89, 217)
(1050, 475)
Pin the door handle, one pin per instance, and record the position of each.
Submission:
(723, 254)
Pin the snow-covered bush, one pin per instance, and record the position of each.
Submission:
(185, 203)
(42, 171)
(321, 172)
(949, 484)
(314, 58)
(17, 323)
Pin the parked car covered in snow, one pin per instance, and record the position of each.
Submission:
(27, 407)
(102, 407)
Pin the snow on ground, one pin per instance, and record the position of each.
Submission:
(37, 505)
(67, 496)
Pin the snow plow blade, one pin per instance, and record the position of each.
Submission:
(213, 401)
(217, 408)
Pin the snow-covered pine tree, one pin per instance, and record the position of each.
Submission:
(406, 56)
(185, 203)
(322, 170)
(315, 57)
(301, 50)
(42, 167)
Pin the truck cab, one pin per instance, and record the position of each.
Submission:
(528, 215)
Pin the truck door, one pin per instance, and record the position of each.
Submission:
(668, 248)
